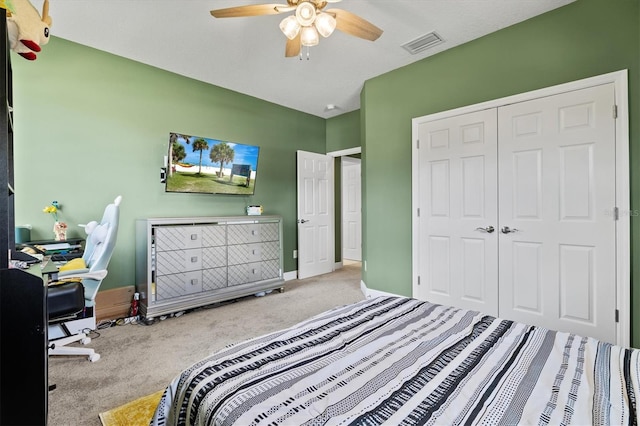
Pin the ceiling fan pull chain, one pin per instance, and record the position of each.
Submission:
(308, 55)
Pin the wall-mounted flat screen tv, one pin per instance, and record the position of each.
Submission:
(210, 166)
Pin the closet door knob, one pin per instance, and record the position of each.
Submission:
(507, 230)
(303, 221)
(489, 229)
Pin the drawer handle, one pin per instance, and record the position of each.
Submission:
(253, 271)
(194, 281)
(194, 259)
(194, 237)
(253, 251)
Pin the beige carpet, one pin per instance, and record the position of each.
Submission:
(139, 360)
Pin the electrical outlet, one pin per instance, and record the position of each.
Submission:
(295, 254)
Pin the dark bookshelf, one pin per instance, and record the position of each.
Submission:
(23, 302)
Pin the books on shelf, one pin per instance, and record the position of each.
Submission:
(58, 247)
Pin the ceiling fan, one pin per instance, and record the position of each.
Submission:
(308, 22)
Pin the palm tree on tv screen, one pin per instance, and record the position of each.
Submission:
(174, 144)
(222, 153)
(177, 152)
(200, 145)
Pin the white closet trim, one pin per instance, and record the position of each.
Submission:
(623, 228)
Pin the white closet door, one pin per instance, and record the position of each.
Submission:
(458, 258)
(557, 193)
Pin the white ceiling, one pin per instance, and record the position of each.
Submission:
(247, 54)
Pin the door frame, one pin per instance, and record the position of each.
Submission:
(623, 227)
(334, 154)
(344, 153)
(348, 162)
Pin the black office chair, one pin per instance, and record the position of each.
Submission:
(65, 302)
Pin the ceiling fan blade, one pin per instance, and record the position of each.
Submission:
(320, 4)
(251, 10)
(293, 47)
(353, 24)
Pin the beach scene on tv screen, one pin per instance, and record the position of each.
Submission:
(205, 165)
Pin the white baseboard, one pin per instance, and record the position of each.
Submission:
(291, 275)
(370, 293)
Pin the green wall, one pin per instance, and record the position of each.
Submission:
(343, 131)
(582, 39)
(90, 126)
(337, 190)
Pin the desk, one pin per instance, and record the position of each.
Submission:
(61, 251)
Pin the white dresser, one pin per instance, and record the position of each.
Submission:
(187, 262)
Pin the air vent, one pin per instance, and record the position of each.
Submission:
(422, 43)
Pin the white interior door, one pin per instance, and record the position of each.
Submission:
(557, 194)
(351, 209)
(316, 250)
(457, 224)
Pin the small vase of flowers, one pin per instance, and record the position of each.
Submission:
(59, 227)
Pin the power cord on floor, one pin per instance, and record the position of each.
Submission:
(147, 321)
(105, 324)
(139, 320)
(93, 334)
(124, 321)
(127, 320)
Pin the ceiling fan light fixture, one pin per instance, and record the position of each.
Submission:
(309, 36)
(325, 24)
(290, 27)
(307, 23)
(306, 13)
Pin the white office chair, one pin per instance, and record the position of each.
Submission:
(72, 303)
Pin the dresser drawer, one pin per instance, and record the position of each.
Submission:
(214, 279)
(176, 285)
(270, 250)
(252, 272)
(246, 253)
(269, 232)
(178, 237)
(173, 262)
(214, 257)
(270, 269)
(246, 273)
(214, 235)
(243, 233)
(254, 252)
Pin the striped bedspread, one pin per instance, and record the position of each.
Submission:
(396, 361)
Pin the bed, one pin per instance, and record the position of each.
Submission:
(395, 360)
